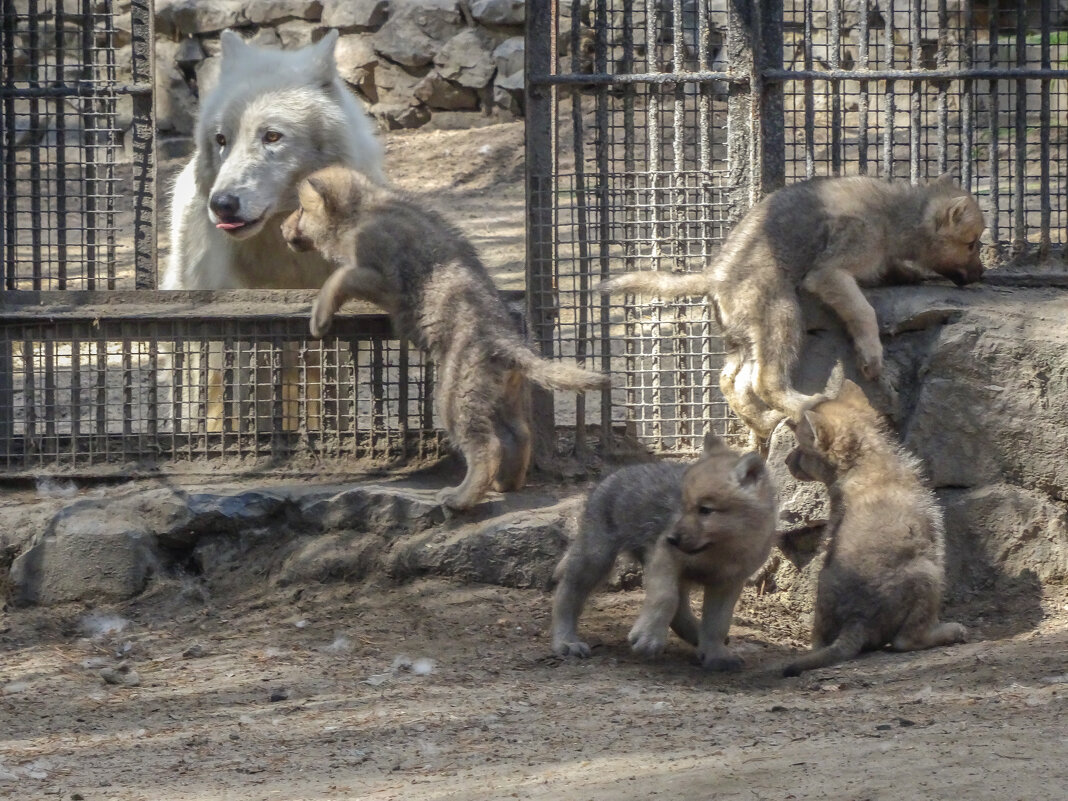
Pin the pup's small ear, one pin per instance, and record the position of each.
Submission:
(950, 178)
(323, 66)
(315, 194)
(852, 395)
(714, 443)
(233, 46)
(954, 212)
(749, 470)
(822, 433)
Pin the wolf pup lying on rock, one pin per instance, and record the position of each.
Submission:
(828, 236)
(881, 582)
(427, 276)
(710, 523)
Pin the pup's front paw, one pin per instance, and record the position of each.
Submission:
(870, 359)
(452, 498)
(322, 316)
(571, 648)
(722, 661)
(646, 643)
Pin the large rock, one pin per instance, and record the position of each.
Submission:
(417, 29)
(356, 61)
(176, 105)
(467, 58)
(183, 17)
(271, 12)
(439, 93)
(87, 553)
(355, 14)
(499, 12)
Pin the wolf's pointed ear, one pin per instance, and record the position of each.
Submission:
(233, 46)
(320, 195)
(954, 212)
(714, 443)
(821, 431)
(852, 395)
(322, 64)
(749, 470)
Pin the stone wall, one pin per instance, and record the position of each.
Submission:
(450, 62)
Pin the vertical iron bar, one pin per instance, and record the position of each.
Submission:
(541, 306)
(652, 134)
(61, 156)
(581, 302)
(834, 19)
(90, 153)
(1043, 132)
(9, 230)
(143, 132)
(888, 94)
(603, 212)
(75, 396)
(943, 87)
(915, 93)
(37, 129)
(760, 43)
(862, 101)
(809, 96)
(967, 108)
(29, 399)
(994, 224)
(1019, 210)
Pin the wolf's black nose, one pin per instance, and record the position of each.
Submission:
(225, 205)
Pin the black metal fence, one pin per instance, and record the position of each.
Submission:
(654, 124)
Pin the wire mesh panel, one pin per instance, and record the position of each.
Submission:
(77, 137)
(911, 89)
(631, 174)
(653, 125)
(202, 382)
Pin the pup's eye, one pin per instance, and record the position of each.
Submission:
(271, 137)
(705, 510)
(974, 245)
(220, 140)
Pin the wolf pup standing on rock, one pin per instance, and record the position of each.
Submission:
(828, 236)
(710, 523)
(883, 575)
(274, 118)
(412, 263)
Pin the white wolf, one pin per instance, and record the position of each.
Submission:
(273, 118)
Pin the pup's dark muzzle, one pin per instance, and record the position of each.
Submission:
(967, 275)
(300, 244)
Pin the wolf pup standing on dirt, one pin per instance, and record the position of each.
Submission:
(274, 118)
(710, 523)
(828, 236)
(882, 578)
(412, 263)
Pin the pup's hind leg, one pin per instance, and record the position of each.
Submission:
(736, 384)
(716, 613)
(482, 453)
(776, 344)
(583, 567)
(513, 431)
(922, 629)
(684, 623)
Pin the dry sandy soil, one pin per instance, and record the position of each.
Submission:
(435, 690)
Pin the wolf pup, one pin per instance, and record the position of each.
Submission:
(828, 236)
(883, 575)
(274, 118)
(710, 523)
(408, 260)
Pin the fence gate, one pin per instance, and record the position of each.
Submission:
(652, 125)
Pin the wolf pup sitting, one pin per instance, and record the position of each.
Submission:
(828, 236)
(882, 579)
(710, 523)
(409, 261)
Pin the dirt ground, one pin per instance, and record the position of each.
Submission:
(436, 690)
(439, 690)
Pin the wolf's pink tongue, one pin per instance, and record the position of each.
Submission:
(229, 226)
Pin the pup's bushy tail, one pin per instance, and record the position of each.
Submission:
(553, 374)
(665, 284)
(846, 646)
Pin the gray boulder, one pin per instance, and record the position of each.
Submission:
(439, 93)
(355, 14)
(499, 12)
(467, 58)
(271, 12)
(417, 29)
(181, 17)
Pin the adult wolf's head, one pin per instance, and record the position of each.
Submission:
(273, 118)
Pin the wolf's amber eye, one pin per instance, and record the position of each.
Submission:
(271, 137)
(220, 140)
